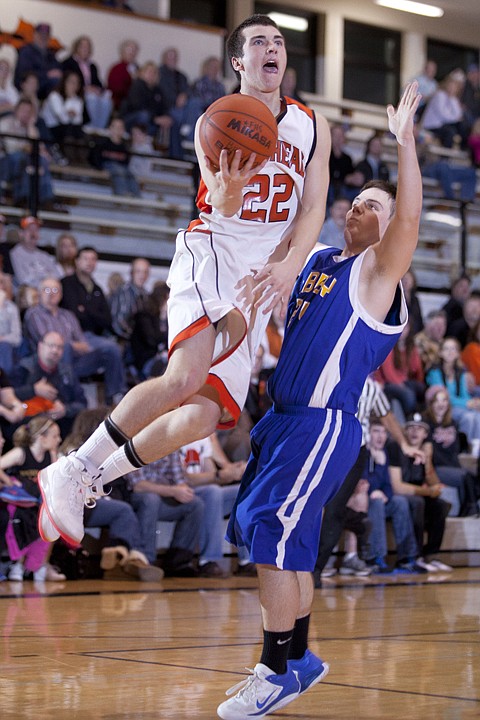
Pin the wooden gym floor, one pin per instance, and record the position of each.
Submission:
(401, 647)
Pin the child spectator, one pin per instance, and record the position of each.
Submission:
(63, 111)
(112, 154)
(35, 447)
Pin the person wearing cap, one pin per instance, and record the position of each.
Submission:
(38, 58)
(420, 483)
(30, 264)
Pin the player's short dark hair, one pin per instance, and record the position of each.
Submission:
(236, 39)
(386, 186)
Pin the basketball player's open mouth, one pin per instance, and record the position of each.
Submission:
(271, 66)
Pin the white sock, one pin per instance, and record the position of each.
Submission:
(98, 446)
(116, 465)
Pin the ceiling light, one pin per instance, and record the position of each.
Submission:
(411, 7)
(292, 22)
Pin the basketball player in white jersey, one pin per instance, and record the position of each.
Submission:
(231, 267)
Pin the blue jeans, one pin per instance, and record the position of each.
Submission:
(123, 180)
(399, 511)
(120, 519)
(17, 164)
(105, 355)
(447, 174)
(188, 517)
(218, 501)
(7, 354)
(99, 108)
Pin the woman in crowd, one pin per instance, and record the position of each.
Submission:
(451, 374)
(35, 447)
(447, 443)
(98, 100)
(63, 112)
(66, 250)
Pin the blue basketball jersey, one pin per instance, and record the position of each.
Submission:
(331, 343)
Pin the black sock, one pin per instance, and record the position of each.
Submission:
(275, 650)
(299, 643)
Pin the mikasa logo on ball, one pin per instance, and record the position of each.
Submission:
(251, 129)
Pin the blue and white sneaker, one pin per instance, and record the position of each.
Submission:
(260, 694)
(310, 669)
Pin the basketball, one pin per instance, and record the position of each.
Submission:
(238, 122)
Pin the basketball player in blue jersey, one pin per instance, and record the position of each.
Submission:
(345, 314)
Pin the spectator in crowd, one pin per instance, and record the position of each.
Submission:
(383, 503)
(37, 57)
(474, 142)
(470, 97)
(47, 384)
(443, 116)
(35, 446)
(30, 264)
(205, 90)
(160, 492)
(66, 250)
(11, 409)
(401, 374)
(10, 325)
(63, 111)
(111, 154)
(447, 443)
(149, 338)
(145, 102)
(409, 284)
(471, 359)
(420, 483)
(216, 481)
(120, 75)
(98, 100)
(174, 85)
(124, 547)
(372, 166)
(114, 282)
(446, 172)
(333, 229)
(48, 316)
(341, 168)
(5, 247)
(463, 327)
(19, 167)
(130, 299)
(373, 401)
(459, 292)
(428, 341)
(357, 531)
(141, 144)
(451, 374)
(288, 88)
(27, 296)
(427, 85)
(85, 299)
(8, 91)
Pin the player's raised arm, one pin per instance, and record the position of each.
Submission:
(395, 251)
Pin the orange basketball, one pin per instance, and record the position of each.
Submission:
(238, 122)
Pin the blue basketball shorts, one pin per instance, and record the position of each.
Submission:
(300, 457)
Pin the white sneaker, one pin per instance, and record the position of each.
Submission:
(429, 567)
(438, 565)
(47, 573)
(47, 530)
(260, 694)
(66, 486)
(16, 572)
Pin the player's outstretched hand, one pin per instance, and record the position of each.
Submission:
(232, 174)
(273, 286)
(400, 120)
